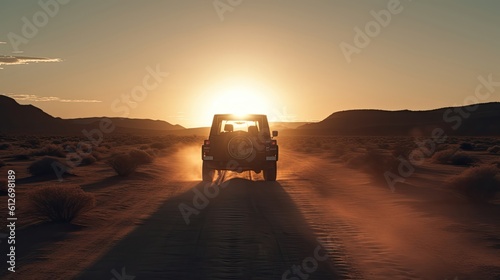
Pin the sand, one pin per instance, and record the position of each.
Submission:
(252, 229)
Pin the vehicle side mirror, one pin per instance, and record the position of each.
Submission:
(275, 133)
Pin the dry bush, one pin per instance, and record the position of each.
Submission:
(88, 160)
(140, 156)
(159, 145)
(51, 150)
(32, 142)
(100, 149)
(57, 141)
(48, 166)
(61, 203)
(478, 184)
(466, 146)
(494, 150)
(453, 157)
(373, 162)
(384, 146)
(339, 150)
(22, 157)
(4, 146)
(480, 147)
(496, 163)
(123, 164)
(403, 150)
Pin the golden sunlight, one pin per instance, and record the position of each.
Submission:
(239, 98)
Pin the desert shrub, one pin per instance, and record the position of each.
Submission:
(479, 184)
(22, 157)
(466, 146)
(31, 143)
(105, 146)
(372, 162)
(339, 150)
(480, 147)
(2, 163)
(494, 150)
(100, 149)
(140, 156)
(61, 203)
(159, 145)
(48, 166)
(496, 163)
(384, 146)
(3, 187)
(462, 159)
(123, 164)
(4, 146)
(88, 160)
(442, 147)
(403, 150)
(51, 150)
(453, 157)
(97, 155)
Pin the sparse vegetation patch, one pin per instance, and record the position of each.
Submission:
(48, 166)
(123, 164)
(479, 184)
(61, 203)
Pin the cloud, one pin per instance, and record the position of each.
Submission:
(36, 98)
(19, 60)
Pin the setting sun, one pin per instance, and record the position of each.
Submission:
(239, 98)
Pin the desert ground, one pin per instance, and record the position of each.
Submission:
(331, 214)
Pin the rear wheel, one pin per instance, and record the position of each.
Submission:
(207, 173)
(270, 172)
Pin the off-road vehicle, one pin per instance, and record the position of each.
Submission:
(240, 143)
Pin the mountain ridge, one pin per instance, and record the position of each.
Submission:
(458, 120)
(28, 119)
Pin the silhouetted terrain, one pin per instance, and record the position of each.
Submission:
(483, 121)
(28, 119)
(131, 123)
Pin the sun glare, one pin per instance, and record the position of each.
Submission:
(239, 99)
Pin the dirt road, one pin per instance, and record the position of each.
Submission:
(320, 220)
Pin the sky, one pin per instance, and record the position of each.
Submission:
(295, 60)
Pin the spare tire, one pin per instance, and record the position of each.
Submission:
(240, 147)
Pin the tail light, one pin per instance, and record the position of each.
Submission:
(206, 142)
(273, 142)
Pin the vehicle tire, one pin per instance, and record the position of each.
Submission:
(207, 173)
(270, 172)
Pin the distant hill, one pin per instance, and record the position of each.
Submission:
(484, 121)
(16, 118)
(28, 119)
(131, 123)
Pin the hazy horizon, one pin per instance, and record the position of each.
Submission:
(288, 60)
